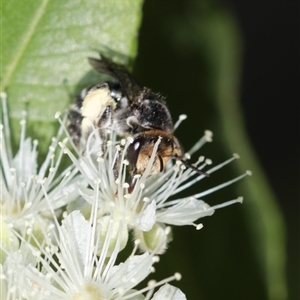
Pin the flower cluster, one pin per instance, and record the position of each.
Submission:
(62, 231)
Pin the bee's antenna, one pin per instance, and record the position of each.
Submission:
(189, 165)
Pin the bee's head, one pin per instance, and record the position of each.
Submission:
(140, 151)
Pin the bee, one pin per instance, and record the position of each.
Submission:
(131, 110)
(93, 108)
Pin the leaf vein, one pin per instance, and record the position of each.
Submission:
(23, 45)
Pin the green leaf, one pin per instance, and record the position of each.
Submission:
(45, 45)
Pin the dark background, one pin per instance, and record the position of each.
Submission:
(270, 86)
(269, 95)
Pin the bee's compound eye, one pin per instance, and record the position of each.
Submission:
(133, 152)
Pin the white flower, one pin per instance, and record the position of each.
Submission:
(168, 292)
(73, 267)
(23, 205)
(41, 259)
(147, 206)
(12, 273)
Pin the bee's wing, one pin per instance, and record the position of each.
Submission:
(129, 84)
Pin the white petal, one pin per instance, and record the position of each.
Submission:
(184, 212)
(112, 232)
(80, 204)
(64, 195)
(8, 240)
(128, 274)
(13, 280)
(3, 284)
(146, 219)
(169, 292)
(74, 237)
(86, 193)
(25, 161)
(136, 297)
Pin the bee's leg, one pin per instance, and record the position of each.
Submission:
(117, 162)
(116, 169)
(104, 122)
(116, 166)
(132, 183)
(106, 118)
(74, 126)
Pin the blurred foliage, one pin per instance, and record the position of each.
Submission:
(190, 51)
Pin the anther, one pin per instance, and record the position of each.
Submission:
(187, 156)
(155, 259)
(97, 180)
(199, 226)
(240, 199)
(208, 161)
(177, 276)
(208, 135)
(151, 283)
(57, 114)
(130, 139)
